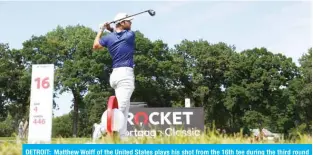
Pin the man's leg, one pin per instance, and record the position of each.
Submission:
(20, 133)
(124, 88)
(123, 94)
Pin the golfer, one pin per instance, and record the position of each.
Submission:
(121, 45)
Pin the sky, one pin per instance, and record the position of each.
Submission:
(280, 26)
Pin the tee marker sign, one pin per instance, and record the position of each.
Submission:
(41, 102)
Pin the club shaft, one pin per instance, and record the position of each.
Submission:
(129, 16)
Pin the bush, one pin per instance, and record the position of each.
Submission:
(7, 127)
(62, 126)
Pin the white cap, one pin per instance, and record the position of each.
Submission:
(122, 15)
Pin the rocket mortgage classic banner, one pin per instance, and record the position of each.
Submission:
(165, 121)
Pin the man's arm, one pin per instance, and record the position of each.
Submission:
(96, 43)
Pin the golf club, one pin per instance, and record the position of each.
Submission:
(151, 13)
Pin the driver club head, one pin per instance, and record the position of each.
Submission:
(151, 12)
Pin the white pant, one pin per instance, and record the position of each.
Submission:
(122, 80)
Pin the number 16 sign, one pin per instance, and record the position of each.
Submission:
(41, 102)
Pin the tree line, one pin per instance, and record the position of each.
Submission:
(238, 89)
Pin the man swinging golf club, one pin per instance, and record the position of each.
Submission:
(121, 45)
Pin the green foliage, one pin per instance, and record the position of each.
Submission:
(238, 89)
(14, 83)
(7, 127)
(62, 126)
(256, 85)
(253, 118)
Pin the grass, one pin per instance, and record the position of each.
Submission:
(7, 138)
(15, 148)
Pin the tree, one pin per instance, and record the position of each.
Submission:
(61, 126)
(14, 83)
(38, 50)
(80, 65)
(247, 89)
(301, 90)
(4, 76)
(256, 85)
(153, 71)
(202, 75)
(305, 95)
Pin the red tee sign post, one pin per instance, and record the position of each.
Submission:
(112, 104)
(41, 102)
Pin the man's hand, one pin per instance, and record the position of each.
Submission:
(96, 44)
(106, 26)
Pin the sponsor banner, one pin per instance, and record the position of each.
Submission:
(165, 121)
